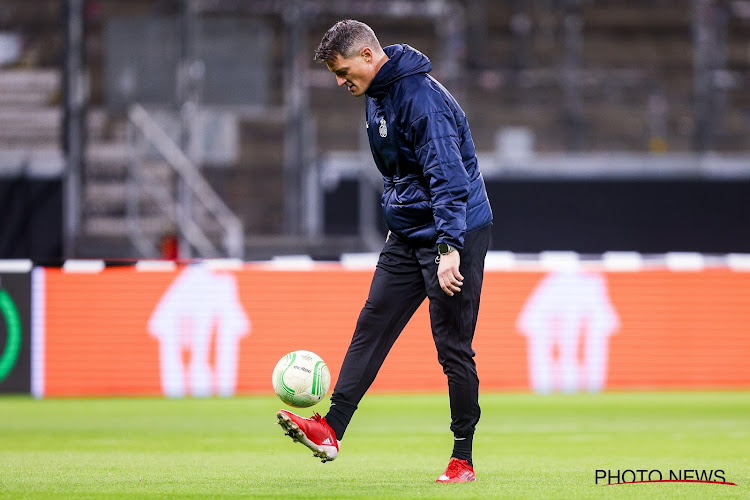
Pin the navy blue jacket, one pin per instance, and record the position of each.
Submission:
(421, 143)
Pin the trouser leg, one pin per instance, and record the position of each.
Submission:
(392, 301)
(453, 321)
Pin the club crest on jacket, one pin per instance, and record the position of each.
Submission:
(382, 128)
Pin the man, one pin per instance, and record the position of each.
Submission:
(439, 219)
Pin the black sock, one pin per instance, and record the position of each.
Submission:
(462, 448)
(338, 417)
(335, 422)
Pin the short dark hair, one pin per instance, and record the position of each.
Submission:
(343, 38)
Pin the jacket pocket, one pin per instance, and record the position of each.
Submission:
(409, 190)
(407, 205)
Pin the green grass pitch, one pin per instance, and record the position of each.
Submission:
(526, 446)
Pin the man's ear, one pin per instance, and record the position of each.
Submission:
(366, 53)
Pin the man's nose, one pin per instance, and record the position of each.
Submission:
(340, 81)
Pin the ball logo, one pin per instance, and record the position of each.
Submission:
(9, 313)
(382, 128)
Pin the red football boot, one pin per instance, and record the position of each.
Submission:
(458, 471)
(313, 432)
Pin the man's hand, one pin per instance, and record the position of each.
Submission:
(448, 276)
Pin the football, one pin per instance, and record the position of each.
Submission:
(301, 379)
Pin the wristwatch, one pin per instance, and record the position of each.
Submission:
(444, 248)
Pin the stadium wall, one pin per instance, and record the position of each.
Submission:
(547, 324)
(30, 217)
(592, 216)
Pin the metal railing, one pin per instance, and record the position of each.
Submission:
(179, 212)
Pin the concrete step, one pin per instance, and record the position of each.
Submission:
(107, 153)
(43, 81)
(23, 98)
(110, 159)
(112, 198)
(18, 122)
(152, 226)
(151, 172)
(117, 226)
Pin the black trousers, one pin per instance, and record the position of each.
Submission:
(404, 276)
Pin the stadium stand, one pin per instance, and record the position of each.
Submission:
(635, 92)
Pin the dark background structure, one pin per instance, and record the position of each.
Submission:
(600, 124)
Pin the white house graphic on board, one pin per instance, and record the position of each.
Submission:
(567, 321)
(199, 303)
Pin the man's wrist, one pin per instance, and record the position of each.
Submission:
(444, 248)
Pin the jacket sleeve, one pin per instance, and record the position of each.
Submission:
(435, 139)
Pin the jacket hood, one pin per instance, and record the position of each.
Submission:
(403, 61)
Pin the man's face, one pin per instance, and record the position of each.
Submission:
(356, 72)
